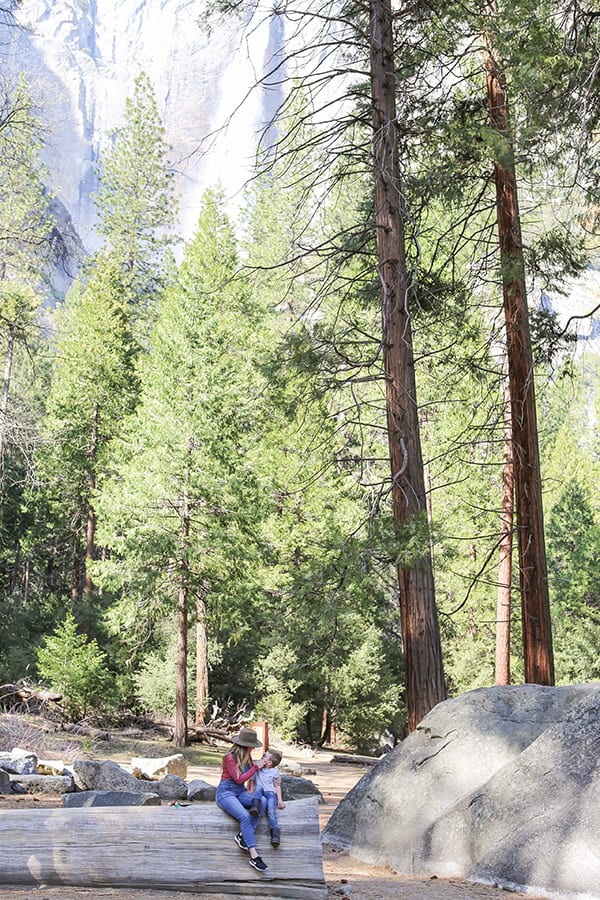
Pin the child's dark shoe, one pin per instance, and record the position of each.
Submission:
(275, 837)
(255, 809)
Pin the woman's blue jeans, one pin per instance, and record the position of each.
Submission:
(238, 805)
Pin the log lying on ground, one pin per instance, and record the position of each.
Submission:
(85, 730)
(162, 848)
(355, 760)
(11, 694)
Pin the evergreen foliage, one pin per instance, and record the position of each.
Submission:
(222, 423)
(76, 667)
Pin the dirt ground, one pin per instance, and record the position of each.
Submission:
(345, 876)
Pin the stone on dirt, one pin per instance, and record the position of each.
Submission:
(105, 775)
(154, 769)
(198, 789)
(45, 784)
(19, 762)
(295, 788)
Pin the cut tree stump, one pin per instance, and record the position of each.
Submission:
(162, 848)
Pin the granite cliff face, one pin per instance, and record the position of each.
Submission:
(82, 57)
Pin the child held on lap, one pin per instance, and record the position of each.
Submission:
(267, 793)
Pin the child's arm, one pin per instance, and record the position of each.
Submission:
(277, 783)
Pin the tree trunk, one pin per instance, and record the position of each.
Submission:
(10, 348)
(535, 604)
(505, 562)
(90, 532)
(201, 661)
(180, 733)
(420, 631)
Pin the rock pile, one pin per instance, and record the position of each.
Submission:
(106, 783)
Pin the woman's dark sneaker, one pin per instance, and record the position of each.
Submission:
(258, 864)
(240, 841)
(275, 837)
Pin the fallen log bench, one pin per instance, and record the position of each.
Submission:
(162, 848)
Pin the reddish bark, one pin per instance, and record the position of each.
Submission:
(537, 632)
(503, 608)
(420, 631)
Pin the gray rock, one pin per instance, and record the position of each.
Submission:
(201, 790)
(4, 782)
(44, 784)
(499, 785)
(19, 764)
(294, 788)
(535, 822)
(171, 787)
(153, 769)
(110, 798)
(16, 788)
(105, 775)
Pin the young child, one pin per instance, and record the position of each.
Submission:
(267, 792)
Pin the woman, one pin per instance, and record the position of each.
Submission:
(236, 769)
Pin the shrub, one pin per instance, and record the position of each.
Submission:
(76, 667)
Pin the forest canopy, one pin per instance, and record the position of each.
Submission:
(200, 505)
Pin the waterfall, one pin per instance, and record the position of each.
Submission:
(82, 57)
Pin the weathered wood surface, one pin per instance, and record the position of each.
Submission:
(168, 848)
(355, 760)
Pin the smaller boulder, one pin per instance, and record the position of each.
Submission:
(19, 762)
(201, 790)
(16, 788)
(294, 788)
(154, 769)
(171, 787)
(45, 784)
(4, 782)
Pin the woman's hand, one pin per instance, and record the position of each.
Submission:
(261, 763)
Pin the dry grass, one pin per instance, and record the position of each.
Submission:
(38, 735)
(44, 738)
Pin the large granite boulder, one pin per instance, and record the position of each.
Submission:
(500, 785)
(19, 762)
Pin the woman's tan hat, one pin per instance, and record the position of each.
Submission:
(246, 737)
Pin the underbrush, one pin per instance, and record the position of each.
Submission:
(44, 737)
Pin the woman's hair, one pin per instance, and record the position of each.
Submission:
(241, 755)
